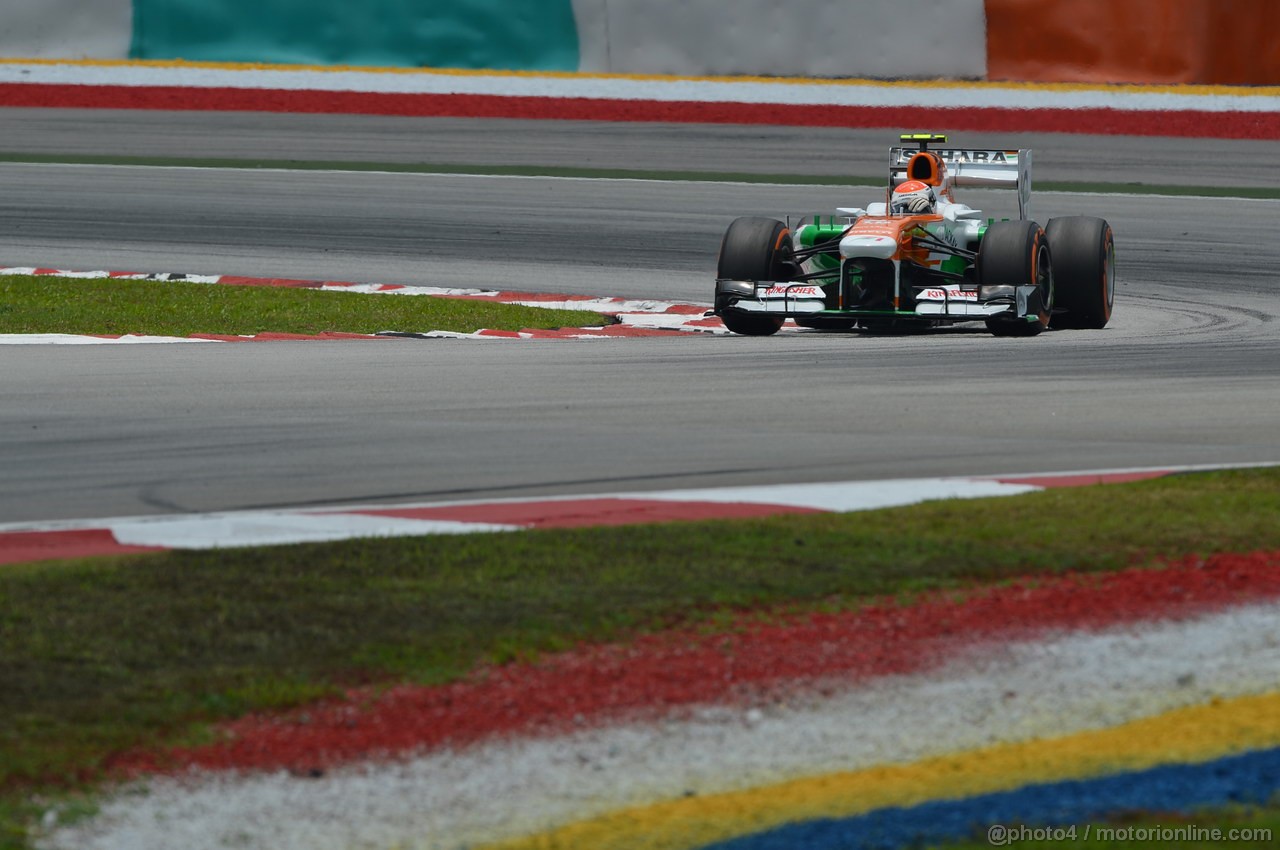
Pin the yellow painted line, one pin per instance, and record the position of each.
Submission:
(1186, 736)
(1198, 90)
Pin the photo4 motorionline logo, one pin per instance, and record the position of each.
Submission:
(1000, 835)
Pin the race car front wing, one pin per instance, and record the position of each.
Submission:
(951, 302)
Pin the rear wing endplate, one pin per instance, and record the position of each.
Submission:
(991, 169)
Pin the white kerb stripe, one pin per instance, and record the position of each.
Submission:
(266, 528)
(846, 496)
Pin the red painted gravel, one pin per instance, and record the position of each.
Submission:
(658, 673)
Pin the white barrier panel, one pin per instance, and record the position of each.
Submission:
(803, 38)
(66, 29)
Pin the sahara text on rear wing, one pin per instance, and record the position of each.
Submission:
(990, 169)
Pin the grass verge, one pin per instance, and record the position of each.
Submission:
(100, 655)
(669, 175)
(45, 304)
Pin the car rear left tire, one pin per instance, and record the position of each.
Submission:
(1016, 253)
(755, 249)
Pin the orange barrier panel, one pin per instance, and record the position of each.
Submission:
(1222, 42)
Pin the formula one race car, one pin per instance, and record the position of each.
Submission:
(920, 259)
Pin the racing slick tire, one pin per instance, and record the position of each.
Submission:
(1084, 271)
(754, 249)
(1016, 253)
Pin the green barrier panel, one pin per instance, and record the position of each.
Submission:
(499, 34)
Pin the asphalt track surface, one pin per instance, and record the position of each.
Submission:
(754, 149)
(1187, 373)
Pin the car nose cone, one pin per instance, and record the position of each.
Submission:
(867, 245)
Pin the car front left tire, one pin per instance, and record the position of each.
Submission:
(754, 249)
(1016, 253)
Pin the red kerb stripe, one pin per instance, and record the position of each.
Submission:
(1185, 123)
(18, 547)
(1083, 480)
(576, 513)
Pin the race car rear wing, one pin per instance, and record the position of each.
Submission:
(990, 169)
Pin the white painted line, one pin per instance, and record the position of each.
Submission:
(284, 526)
(275, 525)
(845, 496)
(268, 528)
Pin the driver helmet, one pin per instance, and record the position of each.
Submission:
(912, 197)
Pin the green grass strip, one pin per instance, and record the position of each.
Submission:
(45, 304)
(611, 173)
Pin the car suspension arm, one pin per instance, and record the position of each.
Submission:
(927, 240)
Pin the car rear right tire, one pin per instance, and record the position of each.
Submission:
(755, 249)
(1084, 255)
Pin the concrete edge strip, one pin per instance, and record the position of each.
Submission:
(36, 541)
(759, 90)
(631, 317)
